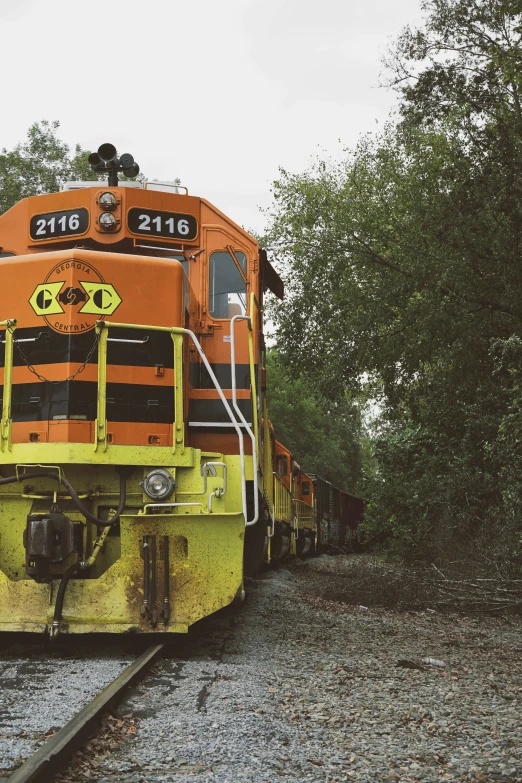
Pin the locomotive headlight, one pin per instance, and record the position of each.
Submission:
(159, 484)
(107, 221)
(107, 201)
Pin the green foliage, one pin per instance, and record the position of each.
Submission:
(322, 436)
(41, 164)
(383, 271)
(403, 273)
(506, 449)
(467, 63)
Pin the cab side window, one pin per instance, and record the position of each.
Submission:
(227, 288)
(306, 488)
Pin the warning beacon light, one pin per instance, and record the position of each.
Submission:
(107, 160)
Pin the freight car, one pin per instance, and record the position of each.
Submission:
(140, 479)
(338, 516)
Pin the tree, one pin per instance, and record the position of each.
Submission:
(390, 254)
(465, 62)
(403, 269)
(41, 164)
(323, 437)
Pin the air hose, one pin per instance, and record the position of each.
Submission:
(37, 474)
(123, 472)
(58, 607)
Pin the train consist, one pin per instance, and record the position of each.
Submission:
(140, 478)
(311, 514)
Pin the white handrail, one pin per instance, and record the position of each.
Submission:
(231, 416)
(233, 320)
(235, 423)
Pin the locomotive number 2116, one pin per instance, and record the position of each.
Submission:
(59, 224)
(162, 224)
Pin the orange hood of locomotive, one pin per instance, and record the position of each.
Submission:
(69, 290)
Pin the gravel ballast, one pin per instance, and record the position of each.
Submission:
(297, 686)
(42, 686)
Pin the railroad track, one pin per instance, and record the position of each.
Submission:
(58, 749)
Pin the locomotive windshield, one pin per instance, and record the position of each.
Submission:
(227, 293)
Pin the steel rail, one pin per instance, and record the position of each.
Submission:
(61, 746)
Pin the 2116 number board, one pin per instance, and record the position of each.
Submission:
(59, 224)
(153, 223)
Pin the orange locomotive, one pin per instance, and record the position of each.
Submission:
(136, 455)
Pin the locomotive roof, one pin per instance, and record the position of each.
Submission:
(129, 217)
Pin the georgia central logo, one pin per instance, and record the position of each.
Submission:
(73, 297)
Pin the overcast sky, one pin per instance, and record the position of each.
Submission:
(218, 92)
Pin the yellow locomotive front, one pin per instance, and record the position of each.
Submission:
(131, 458)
